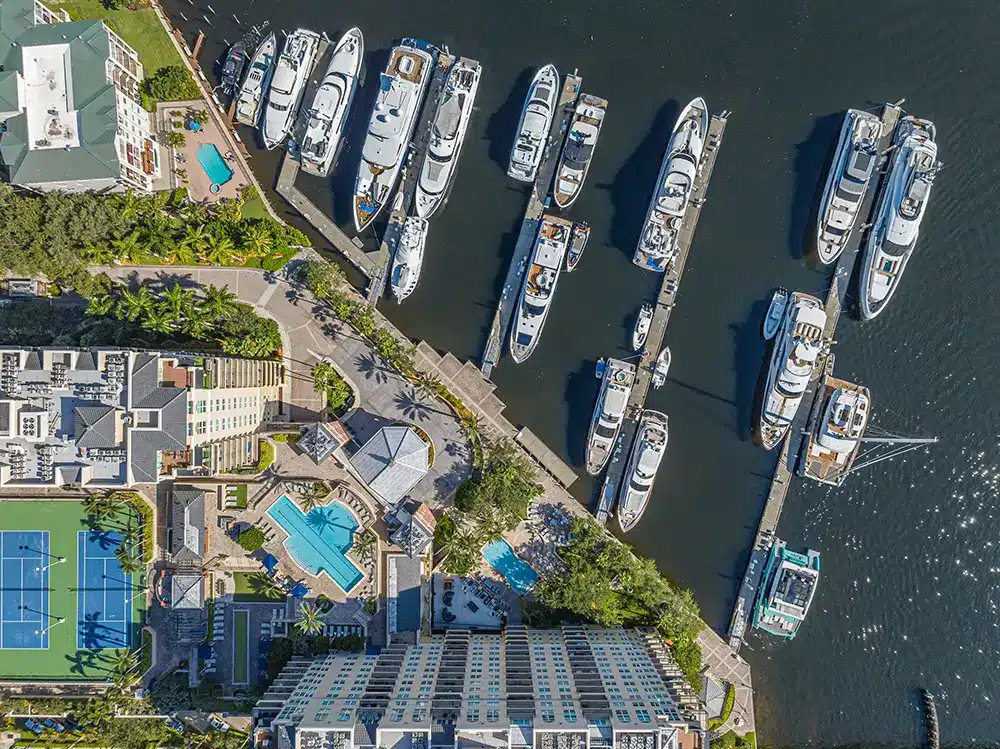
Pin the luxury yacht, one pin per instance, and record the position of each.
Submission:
(900, 210)
(834, 443)
(641, 329)
(451, 121)
(288, 84)
(536, 122)
(327, 117)
(674, 186)
(786, 590)
(232, 67)
(258, 78)
(617, 379)
(850, 173)
(402, 89)
(578, 149)
(577, 244)
(539, 286)
(661, 368)
(409, 258)
(797, 346)
(637, 485)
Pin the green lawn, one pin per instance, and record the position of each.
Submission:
(255, 208)
(241, 647)
(62, 661)
(247, 592)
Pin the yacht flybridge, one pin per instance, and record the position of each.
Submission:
(578, 149)
(617, 379)
(834, 442)
(288, 84)
(536, 122)
(250, 99)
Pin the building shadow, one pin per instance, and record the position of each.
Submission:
(362, 425)
(811, 164)
(501, 129)
(750, 366)
(581, 390)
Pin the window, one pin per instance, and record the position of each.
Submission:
(623, 716)
(642, 715)
(548, 716)
(569, 716)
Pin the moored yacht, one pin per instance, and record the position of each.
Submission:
(255, 84)
(535, 124)
(577, 244)
(578, 149)
(674, 186)
(797, 346)
(617, 379)
(451, 121)
(400, 95)
(327, 115)
(850, 173)
(288, 84)
(836, 439)
(232, 67)
(786, 590)
(539, 286)
(901, 207)
(409, 258)
(661, 368)
(637, 483)
(641, 329)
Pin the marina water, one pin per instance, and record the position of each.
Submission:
(911, 556)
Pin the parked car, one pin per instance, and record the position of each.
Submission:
(33, 726)
(72, 725)
(175, 724)
(55, 725)
(218, 725)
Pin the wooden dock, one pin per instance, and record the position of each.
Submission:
(665, 301)
(537, 203)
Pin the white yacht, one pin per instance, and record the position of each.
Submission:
(536, 122)
(796, 348)
(539, 286)
(637, 483)
(409, 258)
(617, 379)
(674, 186)
(451, 121)
(288, 84)
(641, 329)
(900, 210)
(834, 443)
(578, 149)
(258, 77)
(402, 89)
(850, 173)
(661, 368)
(326, 119)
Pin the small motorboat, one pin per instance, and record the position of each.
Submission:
(775, 313)
(641, 329)
(661, 368)
(232, 68)
(577, 244)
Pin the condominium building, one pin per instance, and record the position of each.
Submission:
(578, 687)
(108, 418)
(69, 99)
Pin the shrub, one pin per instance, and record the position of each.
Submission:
(286, 437)
(176, 139)
(266, 456)
(171, 83)
(146, 515)
(147, 651)
(251, 539)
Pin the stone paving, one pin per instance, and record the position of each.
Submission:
(727, 667)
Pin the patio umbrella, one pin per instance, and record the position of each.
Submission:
(270, 563)
(299, 591)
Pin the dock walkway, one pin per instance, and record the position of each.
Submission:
(537, 203)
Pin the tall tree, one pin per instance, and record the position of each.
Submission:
(257, 240)
(136, 304)
(100, 306)
(309, 622)
(219, 302)
(178, 300)
(220, 250)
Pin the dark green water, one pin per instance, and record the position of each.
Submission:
(908, 596)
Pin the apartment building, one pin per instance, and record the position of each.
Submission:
(579, 687)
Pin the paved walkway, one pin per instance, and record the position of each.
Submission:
(727, 667)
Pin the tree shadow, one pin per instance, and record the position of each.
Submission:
(581, 390)
(501, 129)
(415, 405)
(446, 484)
(635, 181)
(812, 162)
(750, 364)
(372, 368)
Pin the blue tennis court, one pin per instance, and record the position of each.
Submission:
(102, 602)
(24, 590)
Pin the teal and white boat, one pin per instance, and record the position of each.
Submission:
(786, 590)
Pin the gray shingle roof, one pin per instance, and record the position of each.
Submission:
(186, 592)
(392, 462)
(94, 426)
(188, 512)
(171, 402)
(32, 361)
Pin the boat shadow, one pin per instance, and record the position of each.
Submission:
(501, 128)
(581, 390)
(813, 157)
(504, 255)
(750, 367)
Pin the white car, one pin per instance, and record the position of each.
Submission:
(217, 724)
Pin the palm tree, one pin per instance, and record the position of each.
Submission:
(128, 246)
(322, 374)
(101, 305)
(364, 543)
(124, 661)
(471, 424)
(128, 206)
(220, 250)
(265, 586)
(158, 235)
(177, 300)
(159, 321)
(219, 302)
(98, 506)
(198, 321)
(128, 563)
(136, 304)
(96, 711)
(257, 240)
(309, 622)
(99, 255)
(196, 238)
(311, 495)
(428, 385)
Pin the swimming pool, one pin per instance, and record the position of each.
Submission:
(214, 165)
(319, 540)
(515, 570)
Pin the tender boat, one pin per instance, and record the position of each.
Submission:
(577, 244)
(326, 119)
(641, 329)
(637, 484)
(539, 286)
(900, 210)
(401, 93)
(775, 313)
(232, 67)
(796, 349)
(535, 124)
(661, 368)
(578, 149)
(255, 84)
(288, 85)
(850, 173)
(451, 122)
(674, 186)
(409, 257)
(836, 439)
(617, 379)
(786, 590)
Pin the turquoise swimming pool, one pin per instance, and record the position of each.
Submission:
(318, 540)
(214, 165)
(515, 570)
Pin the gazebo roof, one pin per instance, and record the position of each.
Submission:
(392, 462)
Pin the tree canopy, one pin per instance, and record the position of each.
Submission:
(502, 490)
(171, 83)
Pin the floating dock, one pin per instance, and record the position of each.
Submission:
(798, 434)
(661, 317)
(537, 203)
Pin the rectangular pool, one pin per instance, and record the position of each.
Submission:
(515, 570)
(214, 165)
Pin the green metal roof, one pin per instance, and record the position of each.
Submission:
(8, 91)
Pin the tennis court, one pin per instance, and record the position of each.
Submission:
(24, 590)
(104, 613)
